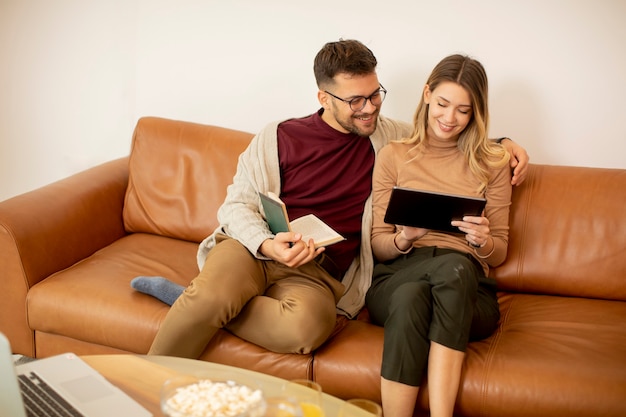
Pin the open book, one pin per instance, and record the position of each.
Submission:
(310, 226)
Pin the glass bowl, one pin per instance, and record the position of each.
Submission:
(213, 394)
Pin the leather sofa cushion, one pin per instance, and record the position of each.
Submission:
(228, 349)
(92, 300)
(356, 354)
(178, 176)
(548, 355)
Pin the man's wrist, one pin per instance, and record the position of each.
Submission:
(266, 248)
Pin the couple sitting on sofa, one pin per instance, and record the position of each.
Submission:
(274, 290)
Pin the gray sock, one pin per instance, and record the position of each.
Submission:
(158, 287)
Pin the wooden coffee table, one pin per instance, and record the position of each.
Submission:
(141, 377)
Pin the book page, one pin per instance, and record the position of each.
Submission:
(312, 227)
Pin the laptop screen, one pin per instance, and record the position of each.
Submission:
(10, 397)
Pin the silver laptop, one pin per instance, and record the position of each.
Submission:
(66, 380)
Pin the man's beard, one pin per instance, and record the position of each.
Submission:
(351, 127)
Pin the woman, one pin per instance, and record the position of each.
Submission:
(430, 289)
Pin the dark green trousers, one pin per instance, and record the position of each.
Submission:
(430, 294)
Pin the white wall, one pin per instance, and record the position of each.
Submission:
(76, 75)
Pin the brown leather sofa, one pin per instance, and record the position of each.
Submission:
(69, 250)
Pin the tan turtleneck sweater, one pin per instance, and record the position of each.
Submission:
(439, 166)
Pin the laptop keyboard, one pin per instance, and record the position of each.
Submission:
(42, 400)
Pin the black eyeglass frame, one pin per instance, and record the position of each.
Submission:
(382, 91)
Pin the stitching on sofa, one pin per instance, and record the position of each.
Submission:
(489, 359)
(310, 368)
(530, 184)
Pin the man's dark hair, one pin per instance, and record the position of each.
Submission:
(344, 56)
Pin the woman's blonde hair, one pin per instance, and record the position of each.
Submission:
(480, 152)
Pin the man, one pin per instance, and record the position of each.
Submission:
(278, 291)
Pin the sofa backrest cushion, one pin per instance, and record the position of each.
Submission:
(178, 176)
(568, 233)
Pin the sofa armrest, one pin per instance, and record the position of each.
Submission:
(48, 229)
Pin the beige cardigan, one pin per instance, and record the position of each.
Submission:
(258, 170)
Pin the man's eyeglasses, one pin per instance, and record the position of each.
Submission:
(358, 103)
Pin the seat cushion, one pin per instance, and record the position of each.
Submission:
(92, 300)
(229, 349)
(552, 356)
(352, 354)
(91, 308)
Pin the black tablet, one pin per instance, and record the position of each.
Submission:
(430, 210)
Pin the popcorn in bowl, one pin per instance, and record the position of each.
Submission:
(188, 396)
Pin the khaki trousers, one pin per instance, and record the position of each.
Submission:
(283, 309)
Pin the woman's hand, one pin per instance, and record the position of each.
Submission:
(476, 230)
(404, 240)
(412, 233)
